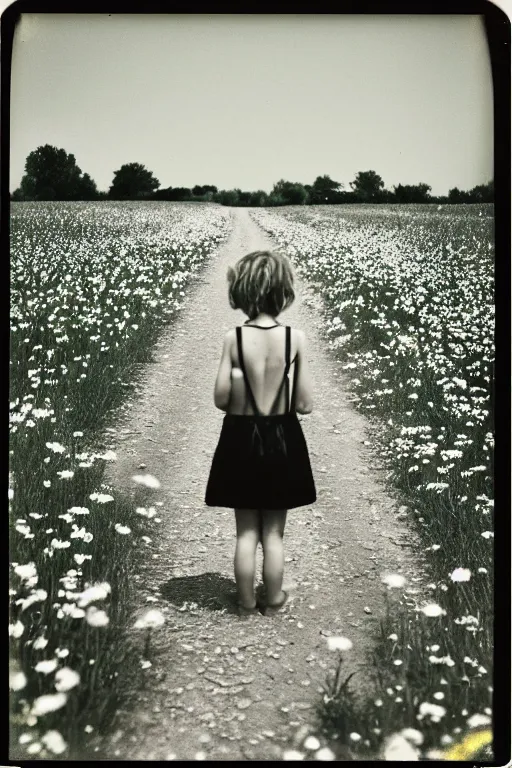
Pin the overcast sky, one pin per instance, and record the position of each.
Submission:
(244, 100)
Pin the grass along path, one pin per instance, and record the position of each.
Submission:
(219, 685)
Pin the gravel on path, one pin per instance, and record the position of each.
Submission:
(224, 687)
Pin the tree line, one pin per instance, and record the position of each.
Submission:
(52, 174)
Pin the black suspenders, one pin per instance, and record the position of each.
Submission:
(242, 366)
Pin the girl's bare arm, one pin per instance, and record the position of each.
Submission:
(304, 391)
(222, 391)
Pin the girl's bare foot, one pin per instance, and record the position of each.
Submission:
(243, 611)
(273, 608)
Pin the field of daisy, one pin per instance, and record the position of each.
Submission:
(407, 296)
(92, 285)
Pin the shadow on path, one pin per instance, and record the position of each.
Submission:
(208, 590)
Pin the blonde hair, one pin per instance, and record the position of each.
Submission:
(261, 281)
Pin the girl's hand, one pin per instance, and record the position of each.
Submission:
(222, 391)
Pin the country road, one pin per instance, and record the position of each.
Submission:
(218, 685)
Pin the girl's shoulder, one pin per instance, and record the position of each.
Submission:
(298, 336)
(297, 332)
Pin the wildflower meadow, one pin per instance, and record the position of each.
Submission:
(407, 297)
(92, 284)
(406, 293)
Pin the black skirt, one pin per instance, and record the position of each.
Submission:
(241, 478)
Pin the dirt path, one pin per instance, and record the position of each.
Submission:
(232, 688)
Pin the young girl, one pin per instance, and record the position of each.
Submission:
(261, 464)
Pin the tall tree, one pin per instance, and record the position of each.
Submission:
(258, 198)
(412, 193)
(457, 195)
(244, 198)
(290, 192)
(52, 174)
(483, 193)
(88, 188)
(133, 181)
(324, 190)
(367, 186)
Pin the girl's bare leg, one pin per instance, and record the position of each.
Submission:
(247, 538)
(273, 523)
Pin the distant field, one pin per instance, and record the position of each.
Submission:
(408, 301)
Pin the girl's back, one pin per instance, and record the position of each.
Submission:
(264, 357)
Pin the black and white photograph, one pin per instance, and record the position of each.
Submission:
(251, 386)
